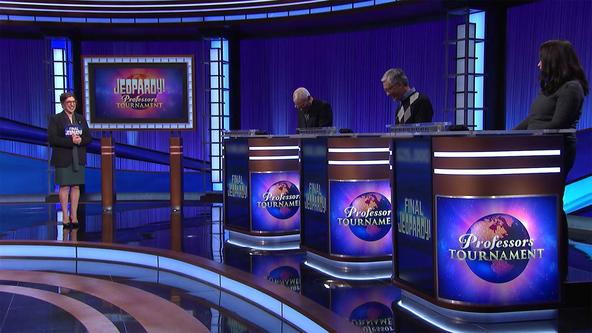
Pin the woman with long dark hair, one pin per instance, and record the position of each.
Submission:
(563, 88)
(559, 106)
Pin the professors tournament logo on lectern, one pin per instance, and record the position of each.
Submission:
(372, 317)
(496, 248)
(286, 276)
(139, 92)
(282, 200)
(368, 216)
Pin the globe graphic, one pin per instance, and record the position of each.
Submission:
(143, 77)
(370, 201)
(372, 312)
(278, 189)
(505, 227)
(285, 275)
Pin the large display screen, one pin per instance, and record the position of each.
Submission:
(361, 218)
(498, 251)
(138, 92)
(275, 201)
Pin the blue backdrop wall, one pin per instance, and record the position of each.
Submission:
(530, 25)
(342, 68)
(23, 89)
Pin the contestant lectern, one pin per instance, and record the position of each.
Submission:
(478, 219)
(346, 212)
(262, 186)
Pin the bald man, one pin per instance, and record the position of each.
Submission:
(311, 112)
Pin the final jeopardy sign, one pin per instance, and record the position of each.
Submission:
(236, 181)
(361, 218)
(275, 201)
(498, 251)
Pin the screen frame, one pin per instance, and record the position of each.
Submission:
(187, 122)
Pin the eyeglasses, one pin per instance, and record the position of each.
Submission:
(70, 102)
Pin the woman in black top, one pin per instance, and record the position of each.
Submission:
(559, 105)
(68, 135)
(563, 88)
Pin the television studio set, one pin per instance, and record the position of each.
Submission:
(295, 166)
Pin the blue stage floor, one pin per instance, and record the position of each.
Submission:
(368, 304)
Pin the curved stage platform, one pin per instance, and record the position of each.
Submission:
(142, 268)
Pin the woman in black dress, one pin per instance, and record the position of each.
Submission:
(68, 135)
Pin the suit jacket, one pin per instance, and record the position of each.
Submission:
(421, 110)
(61, 145)
(319, 115)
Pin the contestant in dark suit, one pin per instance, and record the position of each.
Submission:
(68, 135)
(311, 112)
(415, 107)
(559, 104)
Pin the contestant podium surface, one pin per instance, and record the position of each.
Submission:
(478, 220)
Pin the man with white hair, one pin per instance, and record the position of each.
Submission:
(415, 107)
(311, 112)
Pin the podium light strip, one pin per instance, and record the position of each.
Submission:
(480, 172)
(501, 153)
(274, 148)
(424, 315)
(374, 162)
(263, 247)
(266, 158)
(359, 150)
(349, 276)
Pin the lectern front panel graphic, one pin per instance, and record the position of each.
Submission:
(498, 250)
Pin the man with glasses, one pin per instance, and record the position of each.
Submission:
(311, 112)
(415, 107)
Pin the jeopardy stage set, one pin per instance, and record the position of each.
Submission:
(466, 223)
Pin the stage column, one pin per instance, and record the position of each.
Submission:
(107, 160)
(176, 172)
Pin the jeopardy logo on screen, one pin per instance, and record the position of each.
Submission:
(496, 247)
(138, 91)
(368, 216)
(281, 200)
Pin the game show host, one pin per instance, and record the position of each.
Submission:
(559, 104)
(311, 112)
(68, 135)
(415, 107)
